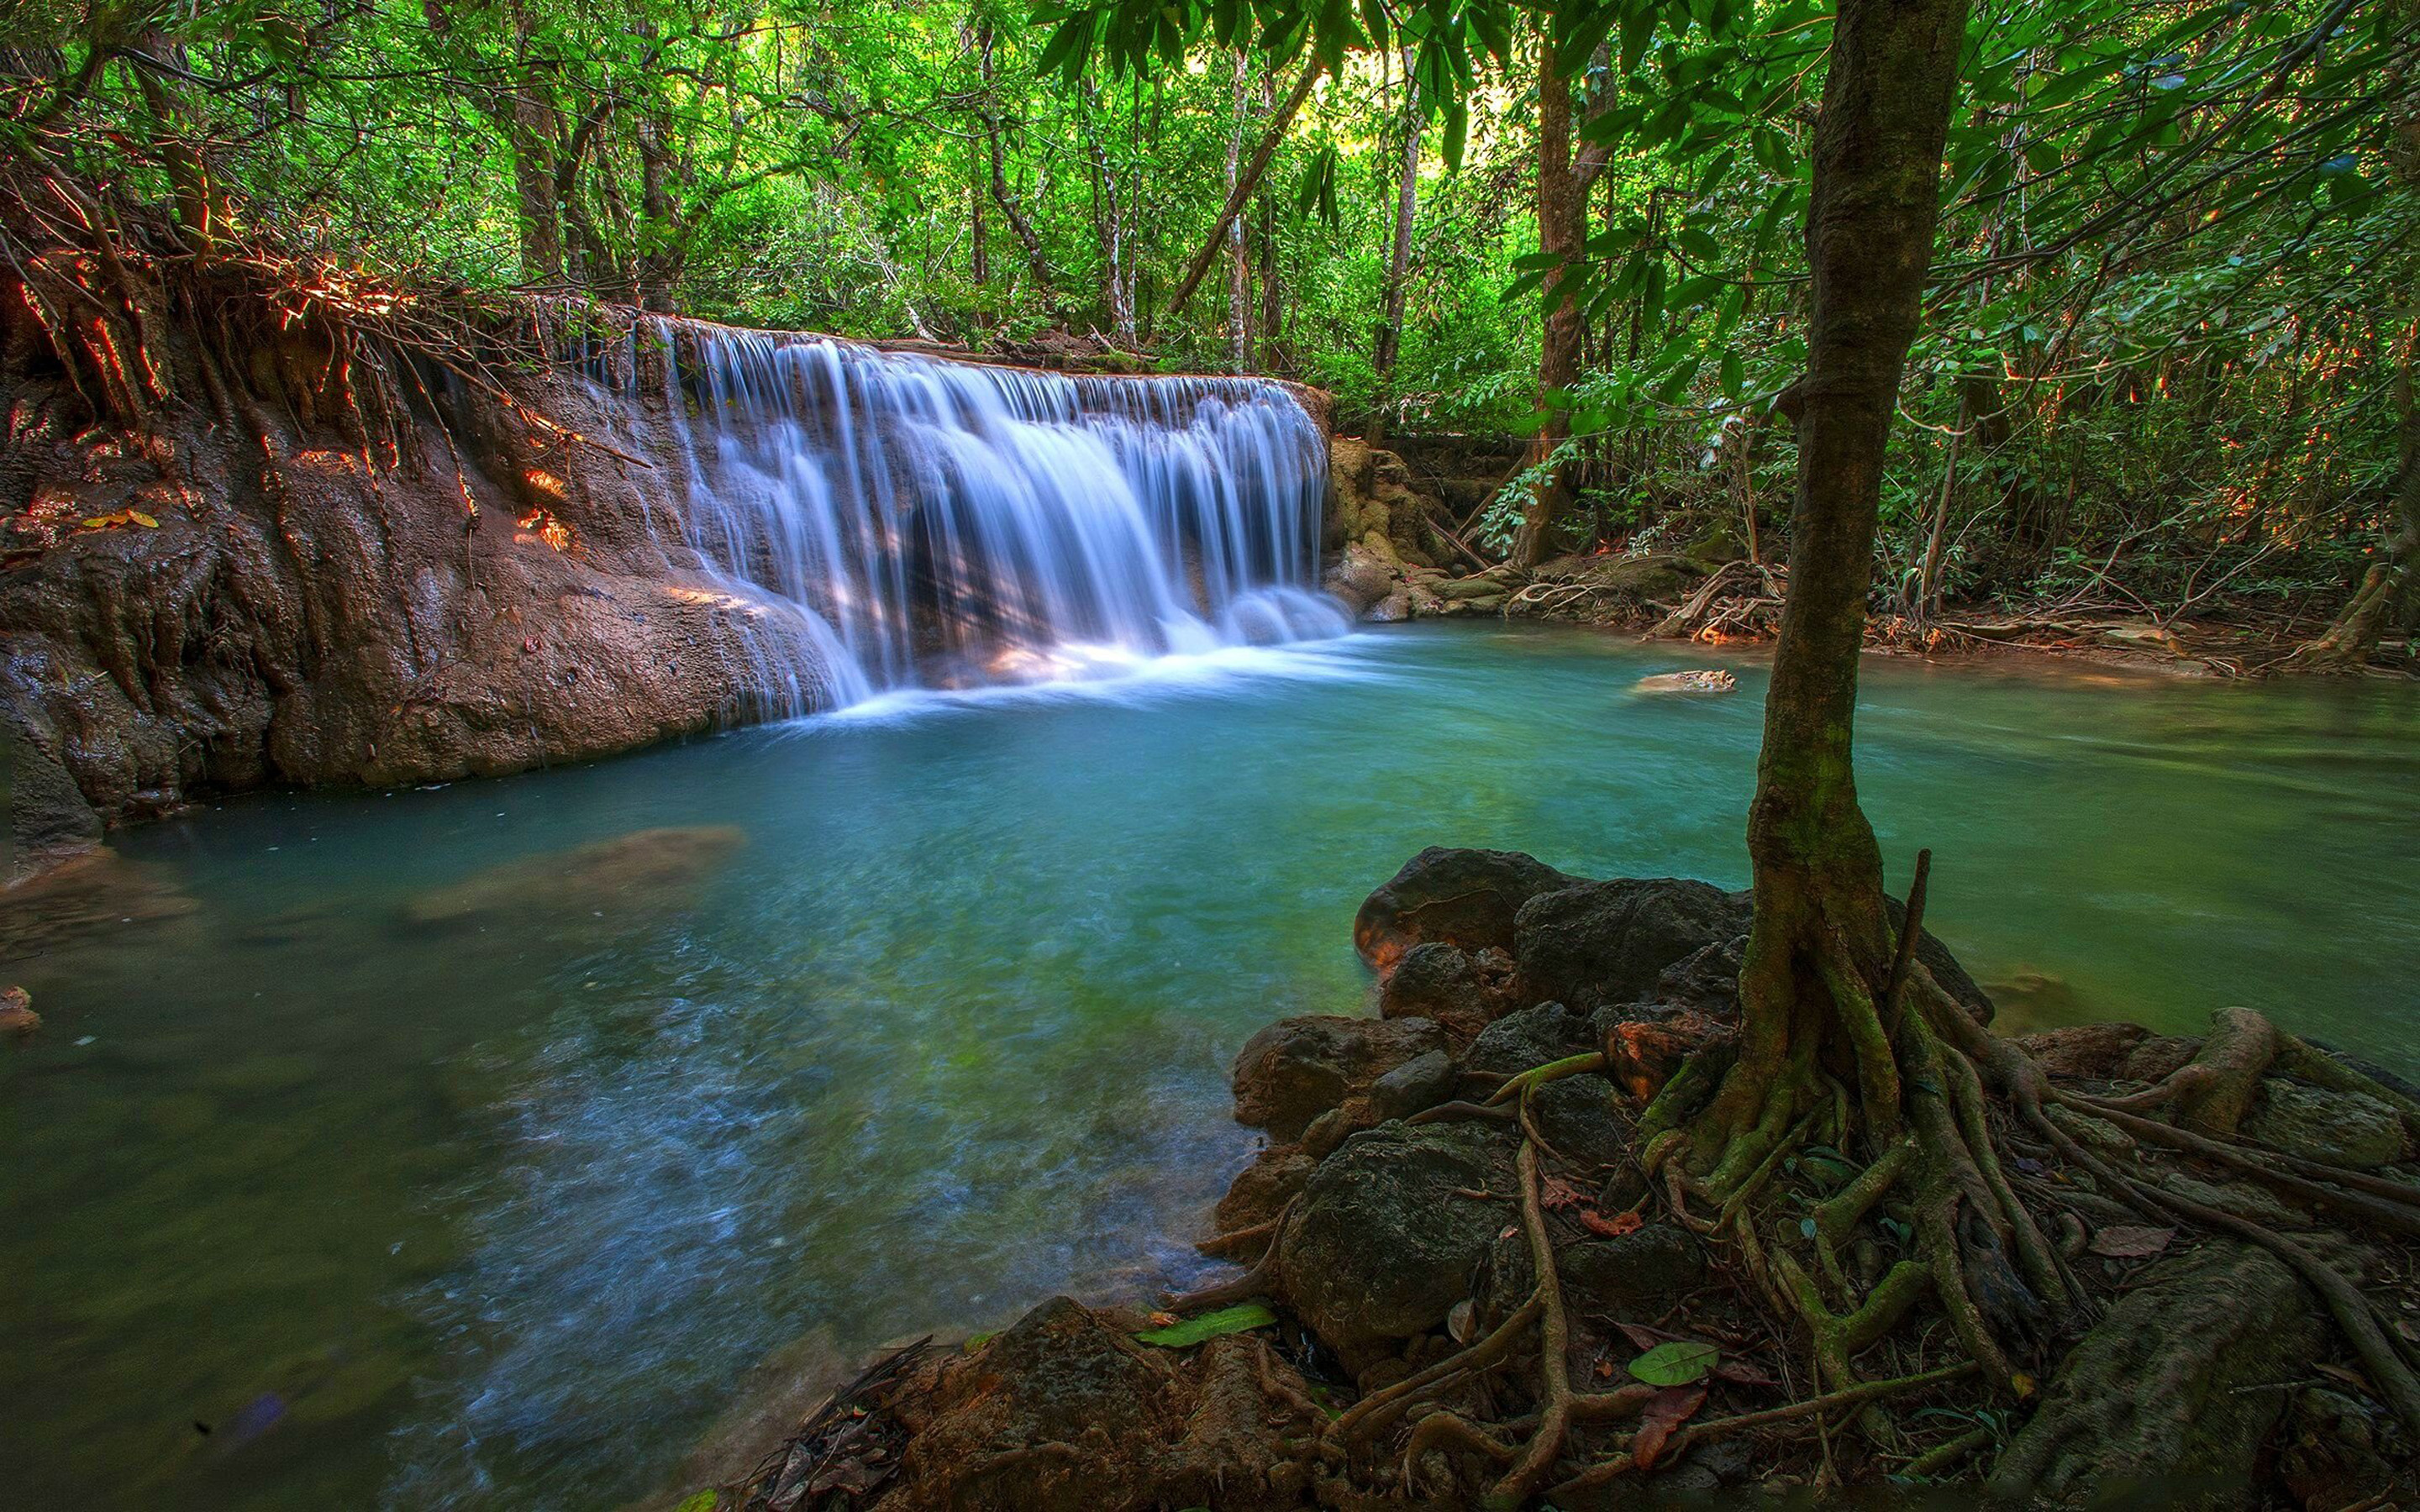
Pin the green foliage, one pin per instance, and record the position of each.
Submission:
(1676, 1363)
(1243, 1318)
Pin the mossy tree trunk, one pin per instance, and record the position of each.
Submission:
(1820, 948)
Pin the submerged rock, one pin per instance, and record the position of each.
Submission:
(1298, 1069)
(646, 871)
(1390, 1227)
(1462, 898)
(17, 1015)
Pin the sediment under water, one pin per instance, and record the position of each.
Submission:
(430, 1168)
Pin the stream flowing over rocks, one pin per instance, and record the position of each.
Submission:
(1397, 1223)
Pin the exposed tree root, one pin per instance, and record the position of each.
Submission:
(1938, 1102)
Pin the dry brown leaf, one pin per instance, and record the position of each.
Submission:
(1613, 1227)
(1665, 1411)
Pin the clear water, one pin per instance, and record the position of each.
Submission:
(502, 1212)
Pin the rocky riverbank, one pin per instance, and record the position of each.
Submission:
(1381, 1347)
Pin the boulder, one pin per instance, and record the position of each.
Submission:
(2170, 1399)
(1643, 1272)
(1416, 1085)
(1610, 942)
(1581, 1119)
(43, 816)
(2349, 1128)
(2106, 1052)
(1706, 980)
(1532, 1036)
(1064, 1413)
(1298, 1069)
(1263, 1187)
(1463, 990)
(1363, 576)
(1389, 1228)
(1465, 898)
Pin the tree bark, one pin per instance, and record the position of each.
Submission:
(1240, 279)
(1018, 224)
(1563, 185)
(1246, 184)
(1389, 347)
(1819, 919)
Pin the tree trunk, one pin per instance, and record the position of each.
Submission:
(1240, 278)
(2386, 598)
(1389, 347)
(1562, 228)
(1246, 184)
(1022, 228)
(1812, 982)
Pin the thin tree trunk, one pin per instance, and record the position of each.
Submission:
(1559, 216)
(1818, 875)
(1388, 349)
(1246, 184)
(1239, 281)
(1019, 226)
(1563, 185)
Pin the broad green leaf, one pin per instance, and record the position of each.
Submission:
(1676, 1363)
(1240, 1319)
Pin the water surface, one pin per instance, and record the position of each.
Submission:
(493, 1196)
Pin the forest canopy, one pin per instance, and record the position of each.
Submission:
(2169, 331)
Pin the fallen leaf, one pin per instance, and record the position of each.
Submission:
(1678, 1363)
(1741, 1373)
(1458, 1321)
(1665, 1411)
(1643, 1337)
(2350, 1378)
(1237, 1319)
(1613, 1227)
(1559, 1193)
(2131, 1242)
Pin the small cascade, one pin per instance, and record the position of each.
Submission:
(941, 524)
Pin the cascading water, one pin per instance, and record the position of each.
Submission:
(946, 524)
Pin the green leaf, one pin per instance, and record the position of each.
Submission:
(1237, 1319)
(1676, 1363)
(704, 1500)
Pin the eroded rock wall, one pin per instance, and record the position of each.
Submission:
(267, 598)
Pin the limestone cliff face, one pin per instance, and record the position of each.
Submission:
(190, 607)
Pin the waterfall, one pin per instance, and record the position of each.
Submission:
(945, 524)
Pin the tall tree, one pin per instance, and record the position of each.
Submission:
(1388, 345)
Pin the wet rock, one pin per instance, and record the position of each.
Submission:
(2348, 1129)
(1363, 576)
(1063, 1412)
(1610, 942)
(1532, 1036)
(1263, 1187)
(1697, 680)
(43, 819)
(1389, 1228)
(1463, 990)
(1371, 494)
(2163, 1402)
(647, 872)
(1298, 1069)
(1465, 898)
(1419, 1083)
